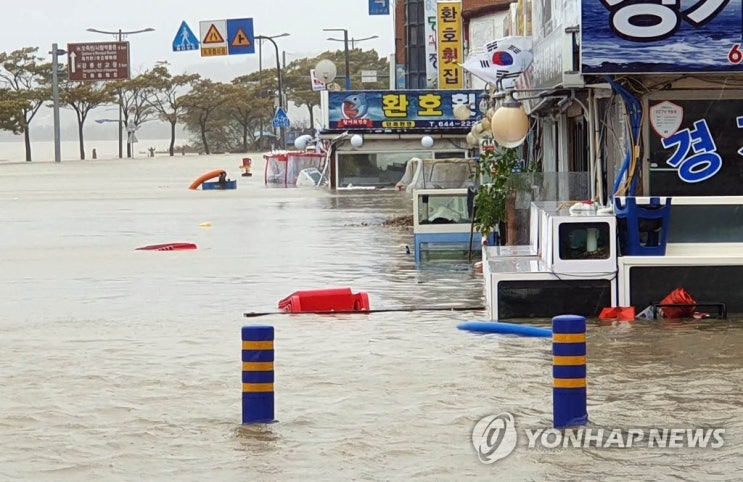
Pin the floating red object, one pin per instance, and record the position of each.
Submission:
(168, 247)
(325, 300)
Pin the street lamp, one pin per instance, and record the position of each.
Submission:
(271, 38)
(345, 44)
(56, 52)
(120, 35)
(354, 40)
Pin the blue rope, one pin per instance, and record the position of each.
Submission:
(634, 111)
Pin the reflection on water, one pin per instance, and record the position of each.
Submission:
(120, 364)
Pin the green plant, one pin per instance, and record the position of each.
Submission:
(498, 170)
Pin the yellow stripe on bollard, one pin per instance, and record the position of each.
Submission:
(569, 383)
(257, 387)
(568, 337)
(258, 366)
(569, 360)
(258, 345)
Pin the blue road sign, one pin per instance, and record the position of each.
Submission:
(379, 7)
(185, 39)
(281, 119)
(240, 38)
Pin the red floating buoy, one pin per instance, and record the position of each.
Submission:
(167, 247)
(325, 300)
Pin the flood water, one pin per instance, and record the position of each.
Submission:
(119, 364)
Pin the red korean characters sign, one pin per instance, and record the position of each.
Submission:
(98, 61)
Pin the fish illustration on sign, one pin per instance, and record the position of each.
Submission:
(355, 106)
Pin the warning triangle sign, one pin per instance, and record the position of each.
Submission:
(240, 39)
(213, 36)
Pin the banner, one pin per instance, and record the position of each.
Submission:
(316, 84)
(432, 59)
(401, 111)
(449, 33)
(661, 37)
(508, 55)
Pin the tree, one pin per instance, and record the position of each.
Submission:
(201, 103)
(248, 107)
(167, 95)
(82, 97)
(135, 96)
(28, 78)
(11, 106)
(298, 85)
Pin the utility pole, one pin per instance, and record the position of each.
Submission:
(56, 52)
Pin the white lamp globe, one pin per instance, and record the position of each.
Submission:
(357, 140)
(510, 125)
(427, 142)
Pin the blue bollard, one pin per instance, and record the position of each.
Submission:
(257, 358)
(569, 371)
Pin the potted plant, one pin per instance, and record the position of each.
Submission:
(495, 171)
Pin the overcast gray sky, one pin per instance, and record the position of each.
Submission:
(39, 23)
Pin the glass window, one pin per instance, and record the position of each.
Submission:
(386, 169)
(443, 209)
(584, 241)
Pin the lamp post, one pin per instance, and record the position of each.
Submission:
(354, 40)
(345, 45)
(120, 35)
(278, 76)
(56, 52)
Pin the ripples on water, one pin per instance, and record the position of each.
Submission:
(125, 365)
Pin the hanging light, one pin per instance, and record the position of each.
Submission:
(357, 140)
(427, 142)
(509, 123)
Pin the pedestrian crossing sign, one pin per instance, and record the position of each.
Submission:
(281, 119)
(185, 39)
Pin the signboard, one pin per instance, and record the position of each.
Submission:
(401, 110)
(98, 61)
(317, 85)
(281, 119)
(368, 76)
(661, 37)
(696, 147)
(432, 58)
(379, 7)
(185, 39)
(213, 37)
(240, 38)
(227, 37)
(449, 46)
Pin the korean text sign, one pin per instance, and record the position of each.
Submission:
(696, 147)
(449, 48)
(645, 36)
(401, 111)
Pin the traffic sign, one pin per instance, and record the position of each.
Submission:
(213, 35)
(379, 7)
(96, 61)
(281, 119)
(240, 36)
(185, 39)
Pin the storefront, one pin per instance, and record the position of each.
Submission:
(378, 132)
